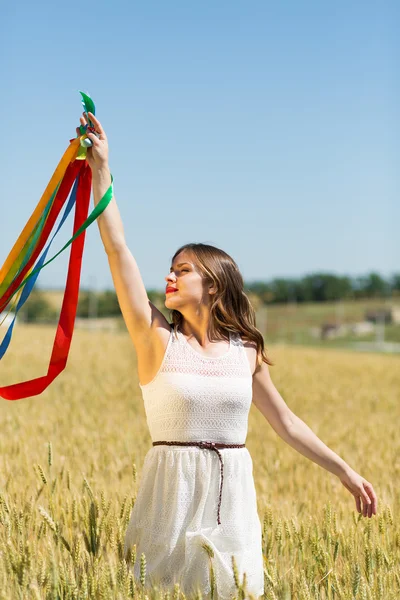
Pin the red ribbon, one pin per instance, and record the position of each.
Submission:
(67, 182)
(65, 328)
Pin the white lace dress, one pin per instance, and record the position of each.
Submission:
(197, 398)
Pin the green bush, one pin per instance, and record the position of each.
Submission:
(37, 309)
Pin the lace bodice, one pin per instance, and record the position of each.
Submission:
(194, 397)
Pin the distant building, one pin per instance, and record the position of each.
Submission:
(362, 328)
(381, 314)
(333, 330)
(396, 314)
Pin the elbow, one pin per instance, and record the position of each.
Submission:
(288, 421)
(116, 248)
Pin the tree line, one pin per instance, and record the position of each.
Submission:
(316, 287)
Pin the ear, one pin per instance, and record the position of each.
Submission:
(212, 290)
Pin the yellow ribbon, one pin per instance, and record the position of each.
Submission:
(25, 235)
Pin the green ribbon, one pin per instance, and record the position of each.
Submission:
(96, 212)
(37, 232)
(28, 249)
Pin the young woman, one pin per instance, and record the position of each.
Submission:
(199, 376)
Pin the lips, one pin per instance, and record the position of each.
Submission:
(170, 289)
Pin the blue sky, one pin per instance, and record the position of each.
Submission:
(269, 129)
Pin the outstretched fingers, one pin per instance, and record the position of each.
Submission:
(97, 125)
(368, 507)
(83, 123)
(372, 496)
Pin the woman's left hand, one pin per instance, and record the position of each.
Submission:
(361, 489)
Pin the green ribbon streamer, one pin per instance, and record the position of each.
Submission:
(96, 212)
(37, 232)
(27, 250)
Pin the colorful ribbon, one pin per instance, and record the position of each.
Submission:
(19, 274)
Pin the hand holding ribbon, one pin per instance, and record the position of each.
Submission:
(97, 154)
(73, 171)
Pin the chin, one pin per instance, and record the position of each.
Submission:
(167, 302)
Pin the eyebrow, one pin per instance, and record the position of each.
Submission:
(181, 264)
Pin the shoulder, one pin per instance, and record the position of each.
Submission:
(251, 350)
(249, 343)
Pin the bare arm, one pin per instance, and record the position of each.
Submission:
(109, 222)
(289, 426)
(128, 283)
(140, 315)
(298, 435)
(303, 439)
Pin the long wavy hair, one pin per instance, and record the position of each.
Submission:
(230, 308)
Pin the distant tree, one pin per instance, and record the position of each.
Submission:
(262, 289)
(37, 309)
(108, 305)
(154, 295)
(395, 282)
(280, 289)
(82, 310)
(374, 286)
(313, 287)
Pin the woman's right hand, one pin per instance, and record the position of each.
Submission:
(97, 155)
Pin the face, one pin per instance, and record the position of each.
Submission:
(187, 280)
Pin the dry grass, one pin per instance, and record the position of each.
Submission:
(71, 463)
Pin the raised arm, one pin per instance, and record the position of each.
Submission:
(140, 315)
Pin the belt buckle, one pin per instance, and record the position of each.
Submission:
(207, 445)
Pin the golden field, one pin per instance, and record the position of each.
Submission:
(71, 463)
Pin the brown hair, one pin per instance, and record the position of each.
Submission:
(230, 308)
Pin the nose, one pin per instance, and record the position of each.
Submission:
(169, 277)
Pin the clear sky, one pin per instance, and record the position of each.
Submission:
(269, 129)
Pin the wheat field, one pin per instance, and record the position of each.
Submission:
(71, 465)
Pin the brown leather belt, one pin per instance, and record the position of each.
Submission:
(210, 446)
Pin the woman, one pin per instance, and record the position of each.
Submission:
(198, 376)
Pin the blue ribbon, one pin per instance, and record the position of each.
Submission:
(32, 280)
